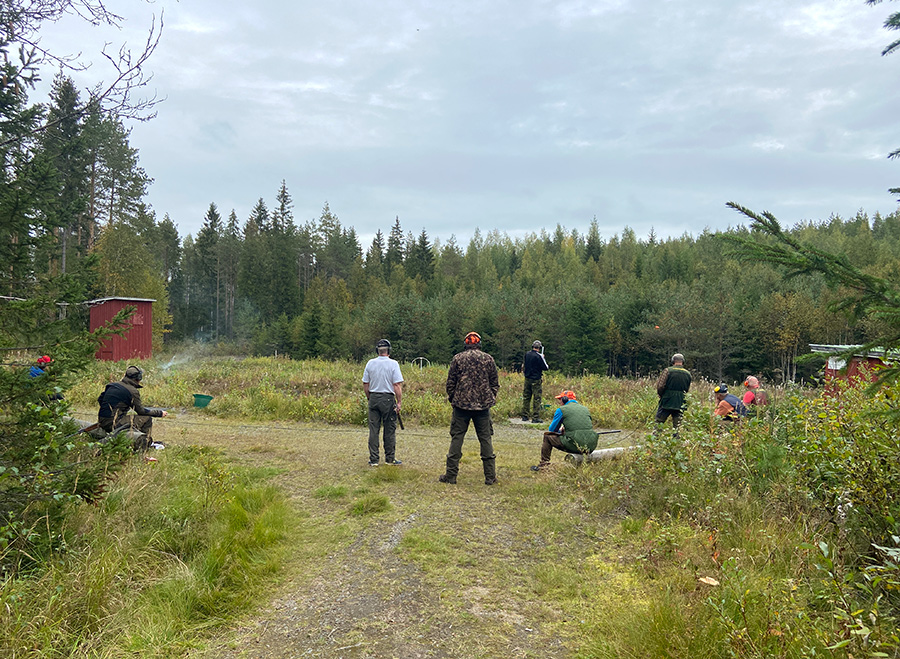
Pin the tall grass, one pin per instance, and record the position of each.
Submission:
(175, 544)
(268, 388)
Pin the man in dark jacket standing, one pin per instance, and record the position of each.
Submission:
(472, 386)
(533, 369)
(671, 387)
(120, 397)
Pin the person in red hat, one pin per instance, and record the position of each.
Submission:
(39, 369)
(40, 366)
(472, 386)
(571, 430)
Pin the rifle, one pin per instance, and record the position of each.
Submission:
(400, 421)
(87, 429)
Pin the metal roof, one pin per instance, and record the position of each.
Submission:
(119, 299)
(842, 349)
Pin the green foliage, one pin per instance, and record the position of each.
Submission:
(620, 306)
(47, 467)
(776, 538)
(849, 456)
(861, 294)
(149, 568)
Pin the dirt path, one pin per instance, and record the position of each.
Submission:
(444, 571)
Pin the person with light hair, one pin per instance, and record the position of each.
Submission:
(754, 394)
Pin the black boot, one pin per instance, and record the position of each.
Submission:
(490, 471)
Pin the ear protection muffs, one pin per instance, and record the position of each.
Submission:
(383, 343)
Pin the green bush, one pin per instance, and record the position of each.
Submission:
(790, 518)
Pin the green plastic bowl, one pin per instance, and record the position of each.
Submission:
(201, 400)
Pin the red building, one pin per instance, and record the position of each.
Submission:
(137, 341)
(862, 365)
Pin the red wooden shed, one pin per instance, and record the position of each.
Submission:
(137, 341)
(861, 364)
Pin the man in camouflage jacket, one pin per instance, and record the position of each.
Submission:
(472, 386)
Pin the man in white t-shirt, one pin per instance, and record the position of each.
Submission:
(383, 384)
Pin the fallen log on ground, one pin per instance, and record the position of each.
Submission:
(598, 455)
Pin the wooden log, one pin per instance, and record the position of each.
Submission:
(598, 455)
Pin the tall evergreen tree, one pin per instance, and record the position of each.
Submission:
(229, 256)
(283, 286)
(63, 145)
(375, 255)
(420, 258)
(207, 277)
(593, 247)
(394, 254)
(253, 270)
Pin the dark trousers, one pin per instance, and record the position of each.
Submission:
(532, 390)
(143, 424)
(552, 440)
(459, 424)
(662, 414)
(382, 411)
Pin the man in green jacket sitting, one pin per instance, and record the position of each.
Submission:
(571, 430)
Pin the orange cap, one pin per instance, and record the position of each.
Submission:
(472, 338)
(566, 395)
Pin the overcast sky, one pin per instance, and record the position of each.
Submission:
(515, 115)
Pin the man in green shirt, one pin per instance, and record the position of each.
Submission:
(671, 387)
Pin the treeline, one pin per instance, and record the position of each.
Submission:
(76, 227)
(603, 304)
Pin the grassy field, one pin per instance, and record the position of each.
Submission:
(331, 392)
(262, 532)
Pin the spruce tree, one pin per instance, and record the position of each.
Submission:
(394, 254)
(375, 255)
(207, 278)
(284, 287)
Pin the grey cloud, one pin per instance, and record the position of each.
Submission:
(519, 115)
